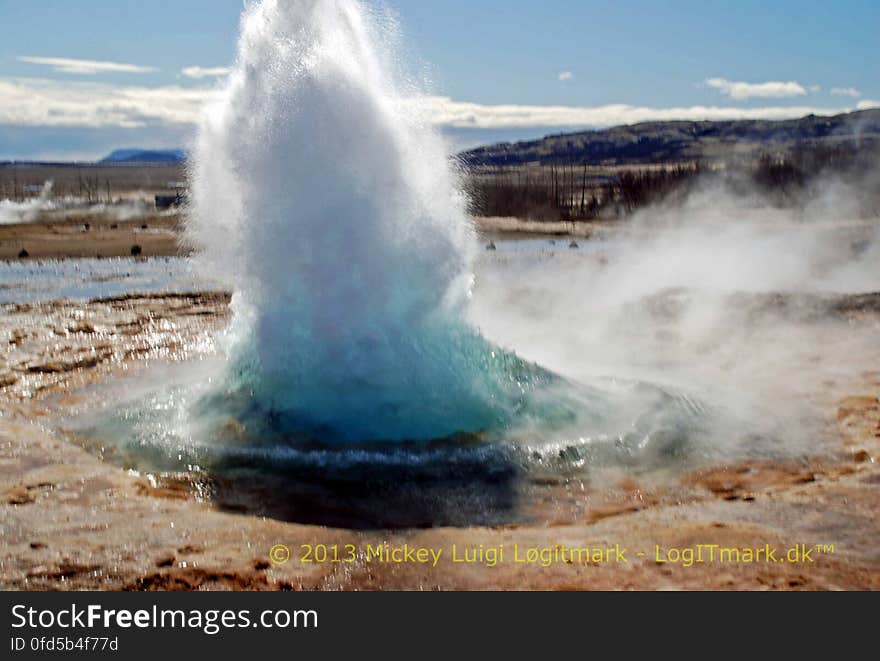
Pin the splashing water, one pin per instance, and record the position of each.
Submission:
(336, 213)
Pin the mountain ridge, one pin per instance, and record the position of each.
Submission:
(682, 141)
(139, 155)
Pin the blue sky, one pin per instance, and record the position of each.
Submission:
(559, 64)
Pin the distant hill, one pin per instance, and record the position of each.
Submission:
(678, 141)
(169, 156)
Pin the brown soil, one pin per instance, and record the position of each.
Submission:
(91, 236)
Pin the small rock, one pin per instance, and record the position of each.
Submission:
(80, 327)
(573, 244)
(19, 495)
(166, 561)
(38, 545)
(861, 456)
(190, 548)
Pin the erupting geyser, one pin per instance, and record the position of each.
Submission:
(336, 215)
(331, 208)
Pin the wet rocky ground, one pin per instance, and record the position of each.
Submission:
(72, 521)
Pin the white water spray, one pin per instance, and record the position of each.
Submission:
(336, 215)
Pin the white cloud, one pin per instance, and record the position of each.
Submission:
(84, 67)
(846, 91)
(768, 90)
(565, 75)
(867, 104)
(43, 102)
(446, 112)
(205, 72)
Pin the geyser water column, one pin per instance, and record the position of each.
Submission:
(333, 210)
